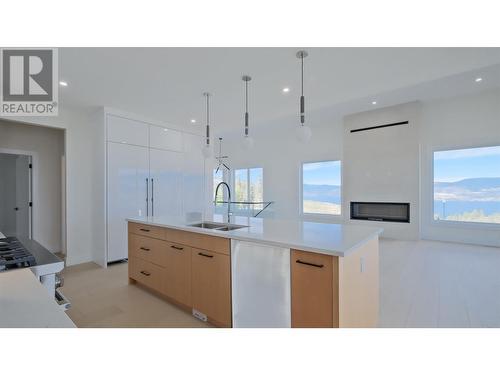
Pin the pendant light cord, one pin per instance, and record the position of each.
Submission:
(302, 77)
(302, 100)
(208, 120)
(246, 96)
(246, 79)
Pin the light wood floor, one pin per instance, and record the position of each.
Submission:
(104, 298)
(422, 284)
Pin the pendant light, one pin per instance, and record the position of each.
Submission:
(303, 132)
(207, 149)
(247, 140)
(221, 159)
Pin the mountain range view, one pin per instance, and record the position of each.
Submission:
(321, 193)
(470, 189)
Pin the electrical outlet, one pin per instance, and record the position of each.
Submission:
(199, 315)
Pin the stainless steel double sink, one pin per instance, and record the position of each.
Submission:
(217, 226)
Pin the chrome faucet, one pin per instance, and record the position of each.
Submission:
(228, 199)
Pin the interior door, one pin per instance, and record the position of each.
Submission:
(128, 179)
(23, 184)
(166, 182)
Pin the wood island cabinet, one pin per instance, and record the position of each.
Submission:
(190, 269)
(314, 290)
(331, 291)
(178, 272)
(211, 288)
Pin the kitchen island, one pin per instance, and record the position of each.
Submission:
(260, 272)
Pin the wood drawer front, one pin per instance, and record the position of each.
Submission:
(147, 230)
(178, 272)
(314, 287)
(148, 249)
(211, 285)
(146, 273)
(200, 241)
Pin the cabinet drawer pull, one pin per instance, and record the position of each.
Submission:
(177, 247)
(144, 230)
(206, 255)
(144, 248)
(146, 273)
(309, 264)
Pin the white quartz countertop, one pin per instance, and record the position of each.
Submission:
(325, 238)
(25, 303)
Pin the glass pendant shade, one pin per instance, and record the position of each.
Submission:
(207, 152)
(248, 142)
(304, 133)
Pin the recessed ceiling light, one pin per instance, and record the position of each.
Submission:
(374, 103)
(479, 79)
(193, 121)
(286, 89)
(63, 83)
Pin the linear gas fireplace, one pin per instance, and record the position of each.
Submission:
(381, 211)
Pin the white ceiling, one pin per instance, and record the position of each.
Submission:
(167, 83)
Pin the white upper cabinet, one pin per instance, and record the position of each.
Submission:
(165, 139)
(123, 130)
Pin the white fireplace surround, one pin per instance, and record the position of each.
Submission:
(384, 164)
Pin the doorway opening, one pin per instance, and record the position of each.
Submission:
(16, 195)
(33, 170)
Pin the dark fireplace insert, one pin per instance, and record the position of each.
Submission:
(381, 211)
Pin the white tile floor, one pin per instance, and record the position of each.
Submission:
(438, 284)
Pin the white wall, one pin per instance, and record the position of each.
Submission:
(281, 155)
(382, 165)
(460, 122)
(47, 147)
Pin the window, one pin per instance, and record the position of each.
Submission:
(467, 185)
(321, 183)
(248, 187)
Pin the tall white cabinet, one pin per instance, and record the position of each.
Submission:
(128, 174)
(150, 171)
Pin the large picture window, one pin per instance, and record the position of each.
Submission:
(467, 185)
(321, 185)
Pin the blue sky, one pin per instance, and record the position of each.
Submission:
(322, 173)
(456, 165)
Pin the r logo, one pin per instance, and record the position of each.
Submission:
(29, 82)
(27, 75)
